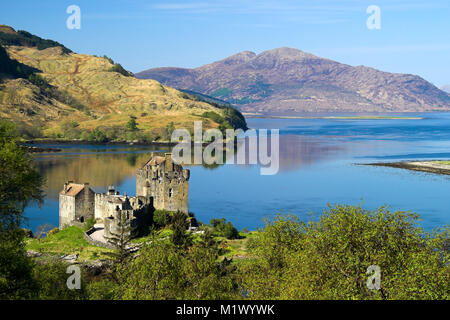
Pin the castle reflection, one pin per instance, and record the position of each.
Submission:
(103, 167)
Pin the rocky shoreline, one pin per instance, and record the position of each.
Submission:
(431, 166)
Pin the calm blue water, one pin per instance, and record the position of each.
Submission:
(318, 165)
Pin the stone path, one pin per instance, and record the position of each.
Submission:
(98, 233)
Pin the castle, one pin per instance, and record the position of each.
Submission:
(160, 184)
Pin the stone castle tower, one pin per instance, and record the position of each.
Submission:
(165, 182)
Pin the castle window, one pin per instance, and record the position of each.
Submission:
(170, 193)
(82, 219)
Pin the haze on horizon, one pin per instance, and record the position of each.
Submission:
(414, 37)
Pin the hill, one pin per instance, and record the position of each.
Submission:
(446, 88)
(50, 91)
(289, 80)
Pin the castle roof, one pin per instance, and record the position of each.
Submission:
(156, 160)
(72, 189)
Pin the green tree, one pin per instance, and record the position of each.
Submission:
(163, 271)
(132, 125)
(161, 218)
(20, 184)
(329, 258)
(122, 240)
(179, 225)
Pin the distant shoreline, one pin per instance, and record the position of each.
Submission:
(336, 117)
(28, 144)
(431, 166)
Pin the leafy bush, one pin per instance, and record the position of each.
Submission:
(132, 125)
(163, 271)
(223, 228)
(118, 68)
(329, 259)
(162, 218)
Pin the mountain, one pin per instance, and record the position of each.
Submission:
(446, 88)
(288, 80)
(52, 92)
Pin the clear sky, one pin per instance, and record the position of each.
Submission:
(141, 34)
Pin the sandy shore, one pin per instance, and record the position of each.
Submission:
(434, 166)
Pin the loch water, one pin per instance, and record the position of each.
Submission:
(320, 164)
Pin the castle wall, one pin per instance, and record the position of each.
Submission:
(66, 210)
(84, 205)
(167, 183)
(100, 206)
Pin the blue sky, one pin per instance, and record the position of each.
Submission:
(414, 35)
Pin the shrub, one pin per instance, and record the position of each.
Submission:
(161, 218)
(52, 232)
(223, 228)
(89, 223)
(329, 258)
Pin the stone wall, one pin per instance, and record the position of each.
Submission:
(85, 205)
(166, 183)
(66, 210)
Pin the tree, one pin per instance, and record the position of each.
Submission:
(132, 125)
(179, 225)
(329, 258)
(20, 184)
(163, 271)
(43, 230)
(122, 240)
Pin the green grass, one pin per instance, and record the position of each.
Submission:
(68, 241)
(237, 247)
(444, 162)
(71, 241)
(160, 234)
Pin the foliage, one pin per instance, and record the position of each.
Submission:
(328, 259)
(121, 241)
(179, 224)
(132, 125)
(163, 271)
(20, 184)
(26, 39)
(223, 228)
(89, 223)
(162, 218)
(117, 67)
(16, 269)
(51, 279)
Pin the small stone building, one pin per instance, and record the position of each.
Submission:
(76, 204)
(165, 182)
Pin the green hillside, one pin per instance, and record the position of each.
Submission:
(52, 92)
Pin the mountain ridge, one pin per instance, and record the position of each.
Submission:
(290, 80)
